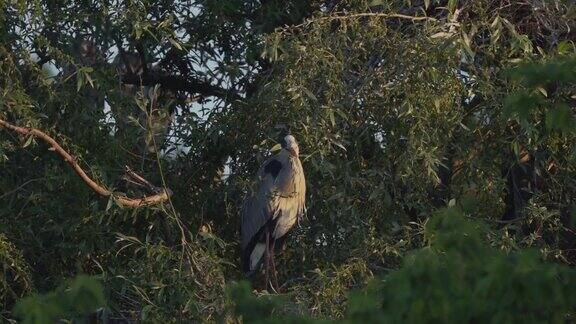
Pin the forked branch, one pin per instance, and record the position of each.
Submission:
(162, 195)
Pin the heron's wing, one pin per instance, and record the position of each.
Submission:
(261, 205)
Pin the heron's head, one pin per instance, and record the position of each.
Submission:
(289, 143)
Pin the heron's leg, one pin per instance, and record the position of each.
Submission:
(273, 261)
(267, 258)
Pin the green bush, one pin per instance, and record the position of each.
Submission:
(15, 280)
(457, 278)
(81, 296)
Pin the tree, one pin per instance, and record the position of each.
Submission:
(401, 108)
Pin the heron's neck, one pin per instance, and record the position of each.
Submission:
(289, 155)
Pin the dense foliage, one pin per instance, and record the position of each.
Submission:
(401, 108)
(82, 296)
(456, 279)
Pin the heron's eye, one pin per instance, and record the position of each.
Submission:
(283, 142)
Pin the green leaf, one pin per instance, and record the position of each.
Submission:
(520, 105)
(566, 47)
(89, 78)
(82, 295)
(175, 43)
(110, 203)
(276, 147)
(79, 80)
(452, 5)
(332, 118)
(560, 118)
(137, 33)
(29, 141)
(309, 94)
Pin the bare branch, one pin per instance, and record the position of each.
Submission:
(161, 197)
(178, 83)
(20, 187)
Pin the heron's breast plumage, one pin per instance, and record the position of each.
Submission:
(291, 202)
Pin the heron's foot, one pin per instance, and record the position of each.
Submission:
(273, 287)
(275, 290)
(271, 282)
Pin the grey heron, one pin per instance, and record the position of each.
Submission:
(273, 208)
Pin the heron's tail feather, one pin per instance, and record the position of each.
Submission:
(256, 256)
(254, 259)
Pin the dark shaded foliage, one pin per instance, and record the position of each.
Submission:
(400, 107)
(81, 296)
(457, 278)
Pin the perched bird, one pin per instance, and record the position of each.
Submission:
(272, 209)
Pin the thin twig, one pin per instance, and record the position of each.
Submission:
(54, 146)
(139, 180)
(358, 15)
(20, 187)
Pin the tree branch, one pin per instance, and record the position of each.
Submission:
(162, 196)
(178, 83)
(344, 16)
